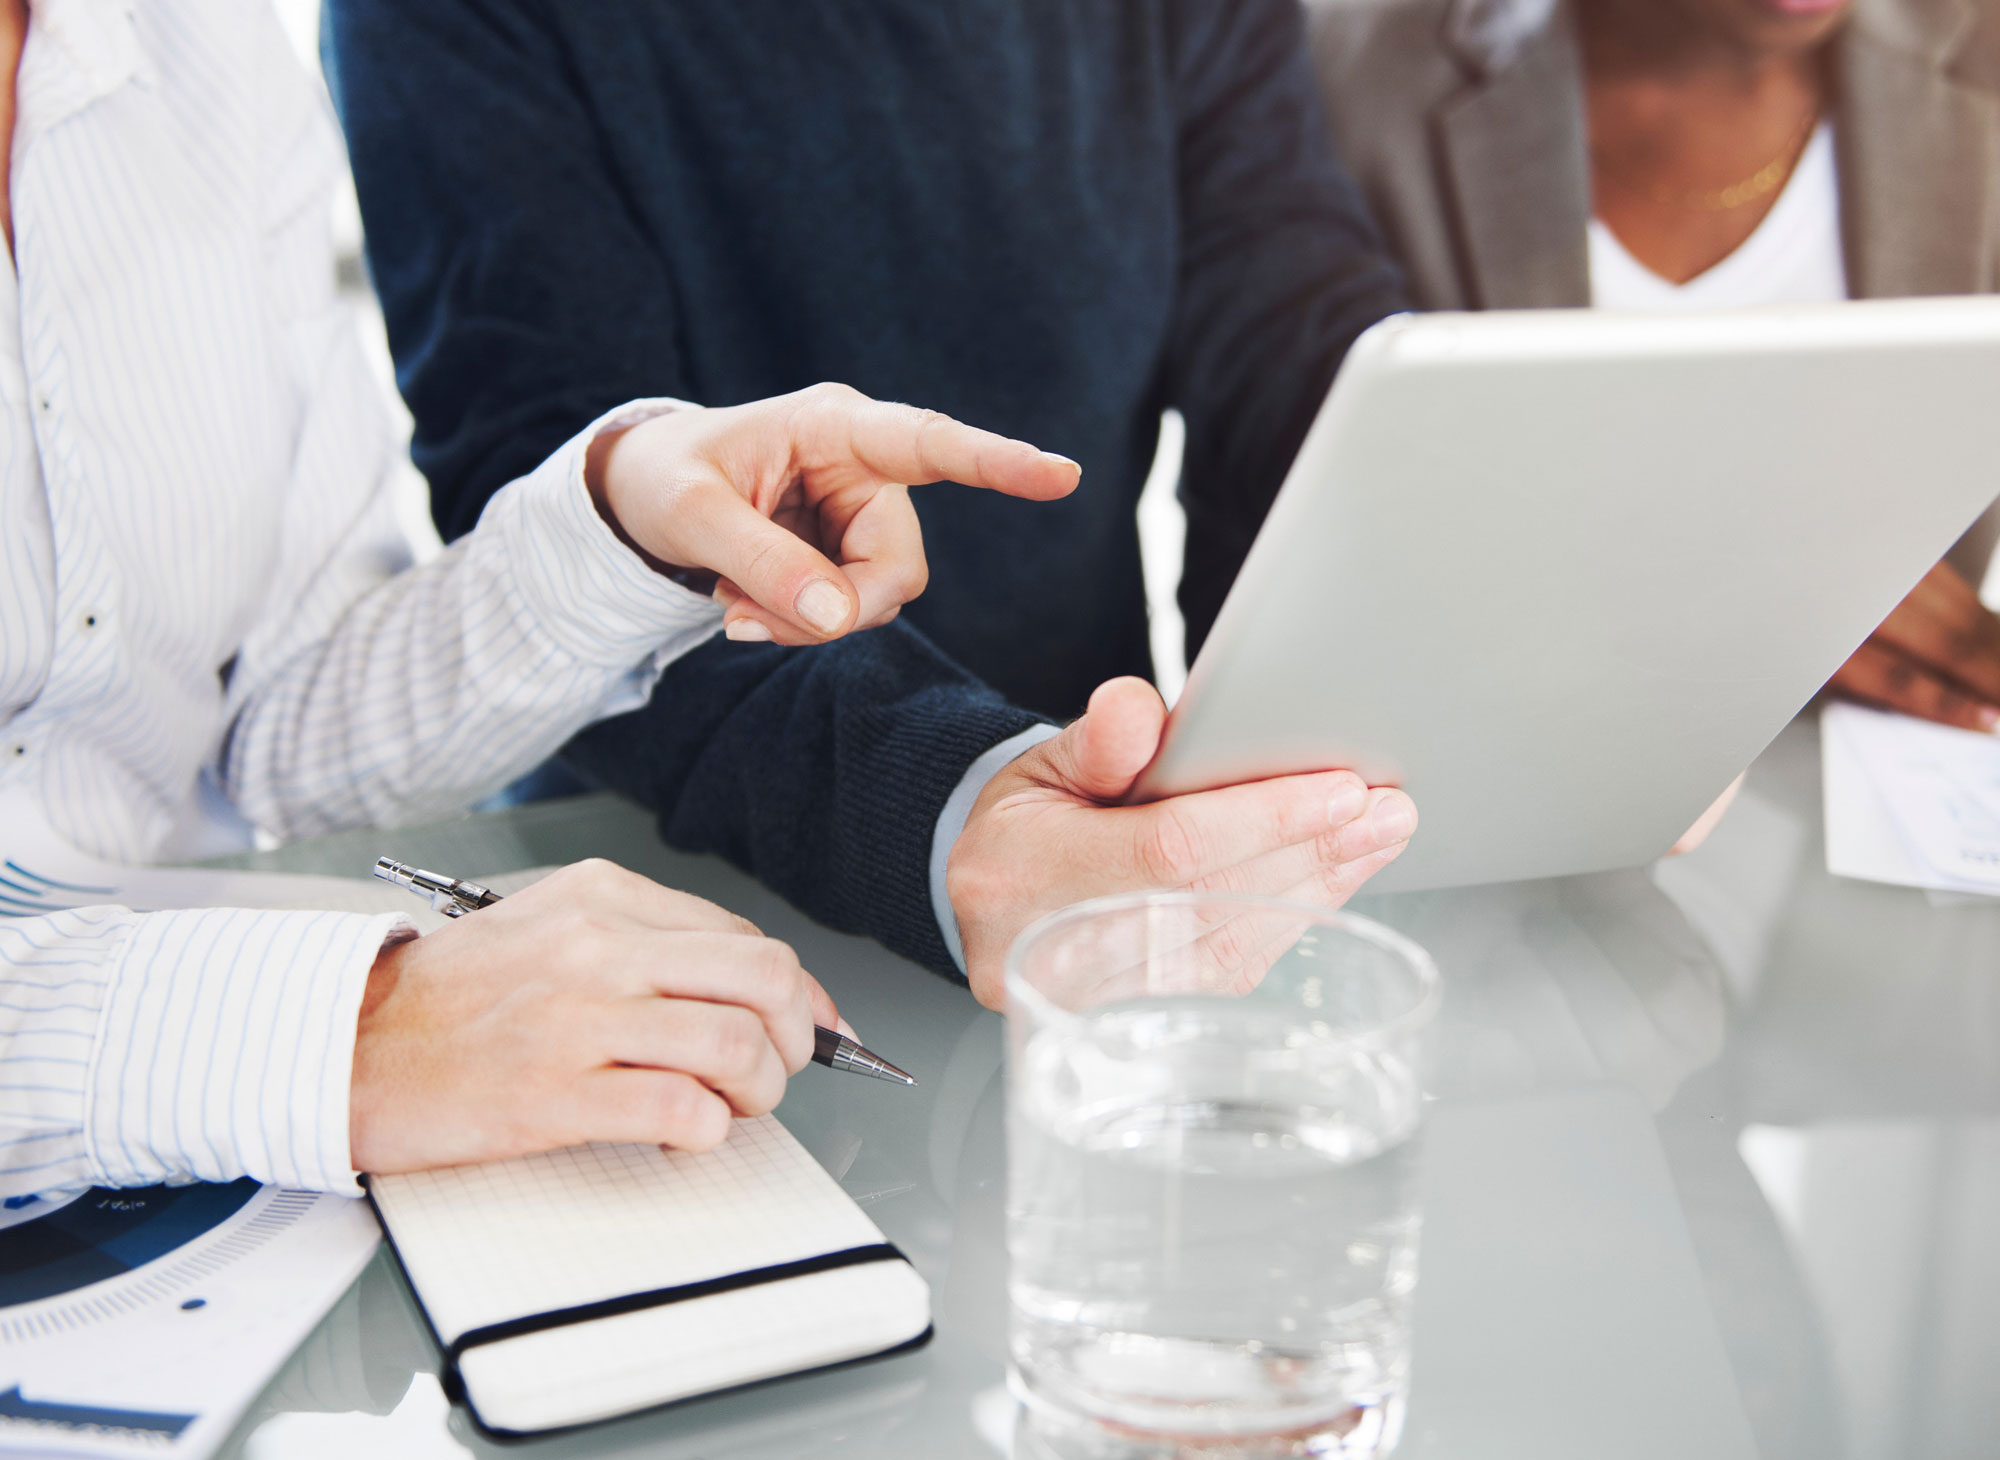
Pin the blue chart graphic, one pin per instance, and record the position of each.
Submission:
(24, 893)
(85, 1417)
(106, 1233)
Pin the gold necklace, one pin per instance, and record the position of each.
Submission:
(1764, 181)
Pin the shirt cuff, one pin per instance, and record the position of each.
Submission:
(951, 821)
(596, 598)
(226, 1048)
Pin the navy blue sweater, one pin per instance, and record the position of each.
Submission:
(1050, 218)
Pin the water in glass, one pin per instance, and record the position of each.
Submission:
(1213, 1227)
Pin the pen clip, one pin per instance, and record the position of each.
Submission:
(445, 894)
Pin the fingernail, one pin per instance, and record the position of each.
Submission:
(746, 631)
(823, 606)
(848, 1029)
(1393, 820)
(1989, 720)
(1346, 804)
(1059, 460)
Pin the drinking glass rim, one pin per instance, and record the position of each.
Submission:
(1367, 929)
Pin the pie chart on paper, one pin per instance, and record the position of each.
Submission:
(141, 1321)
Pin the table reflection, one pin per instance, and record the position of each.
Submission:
(1821, 1060)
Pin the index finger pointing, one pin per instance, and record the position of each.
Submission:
(905, 444)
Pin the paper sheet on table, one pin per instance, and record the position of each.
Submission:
(134, 1333)
(1910, 803)
(40, 872)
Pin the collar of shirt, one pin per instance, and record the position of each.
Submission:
(97, 42)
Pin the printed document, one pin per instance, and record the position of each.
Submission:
(1909, 802)
(144, 1322)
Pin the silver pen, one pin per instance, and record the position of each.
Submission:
(455, 898)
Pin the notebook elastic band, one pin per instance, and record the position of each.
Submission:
(661, 1297)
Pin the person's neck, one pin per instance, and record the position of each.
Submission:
(1658, 41)
(13, 38)
(1678, 119)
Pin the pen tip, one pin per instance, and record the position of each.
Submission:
(883, 1070)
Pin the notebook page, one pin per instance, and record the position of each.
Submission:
(511, 1239)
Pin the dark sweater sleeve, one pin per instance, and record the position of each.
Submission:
(1281, 270)
(522, 296)
(523, 299)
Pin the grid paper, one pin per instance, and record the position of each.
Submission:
(511, 1239)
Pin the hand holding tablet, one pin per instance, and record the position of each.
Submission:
(1563, 574)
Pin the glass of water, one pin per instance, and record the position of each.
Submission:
(1214, 1105)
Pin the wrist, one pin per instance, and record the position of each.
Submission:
(599, 472)
(367, 1099)
(954, 897)
(615, 480)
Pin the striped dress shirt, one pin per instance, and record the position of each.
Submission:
(202, 583)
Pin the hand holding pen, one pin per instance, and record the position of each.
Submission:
(595, 1005)
(455, 897)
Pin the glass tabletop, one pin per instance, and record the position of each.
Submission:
(1714, 1170)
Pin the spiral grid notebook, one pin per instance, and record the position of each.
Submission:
(598, 1280)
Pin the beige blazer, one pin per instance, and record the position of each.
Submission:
(1463, 122)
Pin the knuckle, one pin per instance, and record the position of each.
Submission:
(771, 978)
(760, 1096)
(738, 1039)
(1331, 850)
(781, 967)
(1168, 851)
(1230, 945)
(767, 556)
(704, 1121)
(684, 1114)
(675, 1106)
(713, 1124)
(928, 424)
(831, 394)
(691, 912)
(594, 882)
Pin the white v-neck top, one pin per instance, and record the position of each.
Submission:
(1794, 257)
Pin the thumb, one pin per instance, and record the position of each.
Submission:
(791, 583)
(1100, 755)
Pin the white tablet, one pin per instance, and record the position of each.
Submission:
(1563, 574)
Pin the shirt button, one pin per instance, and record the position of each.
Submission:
(17, 750)
(88, 620)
